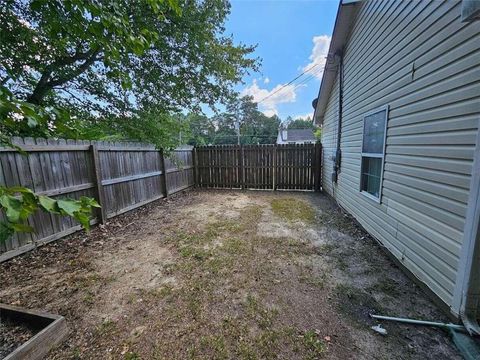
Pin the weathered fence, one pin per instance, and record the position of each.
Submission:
(275, 167)
(120, 175)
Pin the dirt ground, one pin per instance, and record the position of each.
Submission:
(226, 275)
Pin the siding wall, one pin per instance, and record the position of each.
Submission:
(418, 58)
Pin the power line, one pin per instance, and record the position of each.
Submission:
(283, 86)
(304, 81)
(307, 79)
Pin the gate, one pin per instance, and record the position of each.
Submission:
(273, 167)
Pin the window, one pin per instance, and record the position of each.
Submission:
(373, 153)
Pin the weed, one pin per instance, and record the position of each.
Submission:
(132, 356)
(89, 298)
(313, 344)
(76, 353)
(106, 326)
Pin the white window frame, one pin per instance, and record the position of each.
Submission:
(374, 155)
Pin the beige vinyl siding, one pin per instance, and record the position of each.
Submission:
(421, 61)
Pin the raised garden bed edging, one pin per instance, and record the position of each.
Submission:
(52, 331)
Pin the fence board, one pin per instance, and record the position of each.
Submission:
(274, 167)
(121, 176)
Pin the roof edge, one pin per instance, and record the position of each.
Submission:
(346, 14)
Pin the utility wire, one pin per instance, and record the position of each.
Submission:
(302, 82)
(307, 79)
(283, 86)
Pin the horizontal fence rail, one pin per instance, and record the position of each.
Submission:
(274, 167)
(121, 176)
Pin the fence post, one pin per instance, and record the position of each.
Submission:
(318, 166)
(195, 167)
(97, 171)
(163, 178)
(274, 167)
(242, 167)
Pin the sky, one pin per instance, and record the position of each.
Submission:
(292, 36)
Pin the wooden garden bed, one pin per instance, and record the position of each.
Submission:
(29, 334)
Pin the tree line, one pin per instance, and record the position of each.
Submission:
(240, 122)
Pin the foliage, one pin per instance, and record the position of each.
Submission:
(105, 64)
(318, 134)
(300, 123)
(19, 203)
(200, 130)
(255, 127)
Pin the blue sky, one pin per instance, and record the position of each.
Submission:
(292, 36)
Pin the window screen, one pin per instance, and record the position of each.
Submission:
(373, 148)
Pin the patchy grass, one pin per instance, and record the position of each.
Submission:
(293, 210)
(387, 287)
(218, 282)
(356, 304)
(237, 272)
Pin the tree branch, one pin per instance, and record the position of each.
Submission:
(46, 83)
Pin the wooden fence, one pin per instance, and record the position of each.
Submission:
(120, 175)
(275, 167)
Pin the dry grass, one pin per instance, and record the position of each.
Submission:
(224, 276)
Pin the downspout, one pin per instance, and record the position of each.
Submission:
(338, 152)
(467, 290)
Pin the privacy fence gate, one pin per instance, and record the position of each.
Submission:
(273, 167)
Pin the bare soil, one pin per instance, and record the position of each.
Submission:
(226, 275)
(12, 335)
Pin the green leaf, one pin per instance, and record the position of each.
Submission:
(48, 203)
(83, 219)
(20, 227)
(12, 206)
(5, 231)
(87, 202)
(69, 206)
(19, 189)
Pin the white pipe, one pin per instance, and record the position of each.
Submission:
(420, 322)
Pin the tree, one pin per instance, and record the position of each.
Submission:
(200, 130)
(300, 123)
(82, 62)
(257, 128)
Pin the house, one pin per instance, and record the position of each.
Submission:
(295, 136)
(399, 105)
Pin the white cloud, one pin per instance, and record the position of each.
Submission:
(266, 80)
(318, 56)
(271, 98)
(270, 112)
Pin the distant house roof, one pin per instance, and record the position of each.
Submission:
(298, 135)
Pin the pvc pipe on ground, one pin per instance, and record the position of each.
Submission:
(420, 322)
